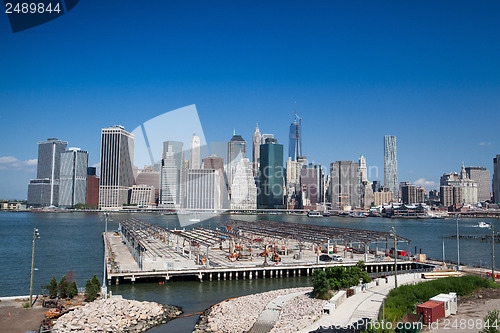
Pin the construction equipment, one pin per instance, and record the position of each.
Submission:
(276, 257)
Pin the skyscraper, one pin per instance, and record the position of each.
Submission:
(271, 175)
(496, 179)
(236, 150)
(363, 173)
(344, 187)
(92, 187)
(117, 154)
(311, 185)
(243, 190)
(466, 186)
(44, 191)
(295, 138)
(203, 189)
(256, 150)
(391, 165)
(482, 177)
(172, 175)
(195, 152)
(73, 183)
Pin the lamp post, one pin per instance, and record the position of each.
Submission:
(395, 258)
(104, 289)
(492, 253)
(35, 236)
(458, 245)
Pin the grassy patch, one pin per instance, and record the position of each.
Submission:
(404, 299)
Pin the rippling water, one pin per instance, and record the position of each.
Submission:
(73, 241)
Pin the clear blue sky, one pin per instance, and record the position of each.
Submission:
(425, 71)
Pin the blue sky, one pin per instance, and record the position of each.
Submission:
(425, 71)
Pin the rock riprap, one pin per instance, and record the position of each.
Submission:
(116, 315)
(239, 314)
(298, 313)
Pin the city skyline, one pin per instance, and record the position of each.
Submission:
(425, 72)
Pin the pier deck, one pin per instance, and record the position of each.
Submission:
(146, 251)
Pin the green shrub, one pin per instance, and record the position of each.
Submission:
(491, 322)
(336, 278)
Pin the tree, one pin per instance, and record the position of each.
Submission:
(52, 287)
(92, 288)
(491, 322)
(72, 290)
(63, 287)
(96, 283)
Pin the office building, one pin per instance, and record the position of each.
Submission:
(496, 179)
(256, 150)
(363, 172)
(172, 175)
(195, 152)
(311, 186)
(44, 190)
(217, 163)
(73, 181)
(244, 190)
(271, 175)
(344, 187)
(376, 186)
(295, 138)
(92, 187)
(142, 195)
(236, 150)
(150, 176)
(467, 186)
(203, 189)
(391, 165)
(482, 177)
(265, 137)
(117, 155)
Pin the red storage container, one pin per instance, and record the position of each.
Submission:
(431, 311)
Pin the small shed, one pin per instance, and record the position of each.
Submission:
(431, 311)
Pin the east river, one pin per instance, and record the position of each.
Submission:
(73, 241)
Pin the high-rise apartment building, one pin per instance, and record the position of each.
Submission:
(271, 175)
(117, 176)
(344, 187)
(383, 196)
(195, 152)
(73, 182)
(391, 165)
(482, 177)
(236, 150)
(256, 150)
(44, 190)
(412, 194)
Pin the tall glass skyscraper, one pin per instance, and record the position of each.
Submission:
(391, 165)
(271, 175)
(295, 139)
(73, 183)
(117, 155)
(44, 191)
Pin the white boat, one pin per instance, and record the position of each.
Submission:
(314, 214)
(484, 225)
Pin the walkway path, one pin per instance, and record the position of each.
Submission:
(362, 305)
(269, 317)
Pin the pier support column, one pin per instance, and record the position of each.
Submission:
(250, 275)
(244, 275)
(281, 273)
(210, 276)
(236, 275)
(230, 275)
(307, 271)
(263, 273)
(224, 275)
(200, 276)
(218, 276)
(287, 273)
(117, 280)
(300, 272)
(132, 279)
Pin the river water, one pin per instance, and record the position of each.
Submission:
(73, 241)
